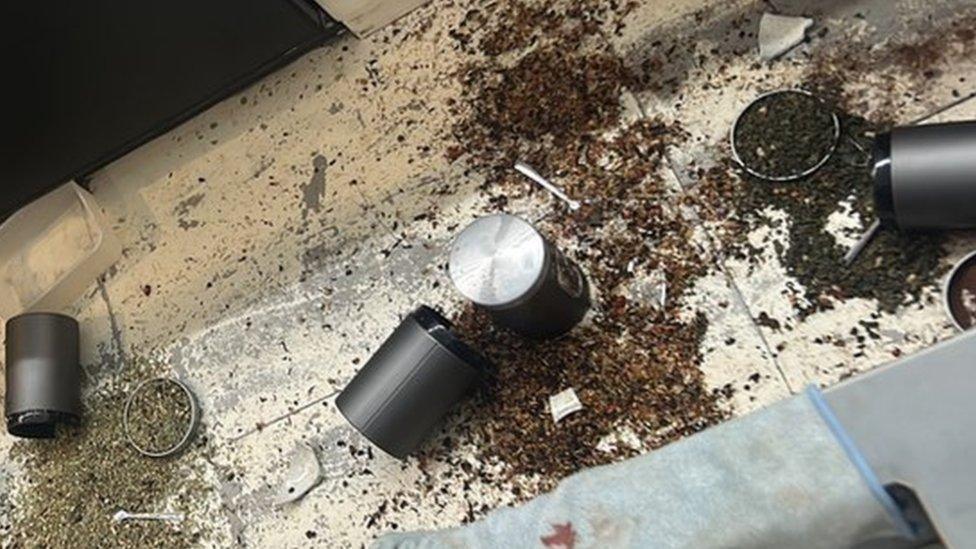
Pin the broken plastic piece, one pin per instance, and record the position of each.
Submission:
(564, 403)
(779, 34)
(304, 473)
(52, 250)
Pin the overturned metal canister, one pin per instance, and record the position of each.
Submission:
(43, 374)
(412, 381)
(505, 266)
(925, 176)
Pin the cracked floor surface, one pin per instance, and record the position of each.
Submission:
(272, 242)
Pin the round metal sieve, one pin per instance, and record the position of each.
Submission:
(835, 138)
(191, 426)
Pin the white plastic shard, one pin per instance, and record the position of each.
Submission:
(564, 403)
(779, 34)
(304, 473)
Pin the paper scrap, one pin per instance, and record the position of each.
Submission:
(564, 403)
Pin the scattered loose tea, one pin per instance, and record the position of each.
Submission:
(73, 485)
(559, 82)
(894, 269)
(635, 362)
(785, 134)
(160, 415)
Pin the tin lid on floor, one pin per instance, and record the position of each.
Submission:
(497, 259)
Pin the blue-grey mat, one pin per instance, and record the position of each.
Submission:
(785, 476)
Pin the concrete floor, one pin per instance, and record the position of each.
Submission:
(276, 233)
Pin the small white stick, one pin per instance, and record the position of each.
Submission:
(125, 515)
(862, 243)
(527, 171)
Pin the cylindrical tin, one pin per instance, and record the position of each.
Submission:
(505, 266)
(42, 374)
(925, 176)
(412, 381)
(959, 293)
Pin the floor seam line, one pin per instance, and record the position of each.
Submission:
(113, 322)
(720, 261)
(282, 417)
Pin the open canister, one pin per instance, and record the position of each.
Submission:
(505, 266)
(43, 374)
(412, 381)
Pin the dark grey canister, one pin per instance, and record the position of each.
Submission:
(43, 374)
(506, 267)
(413, 380)
(925, 176)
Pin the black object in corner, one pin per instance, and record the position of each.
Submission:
(86, 82)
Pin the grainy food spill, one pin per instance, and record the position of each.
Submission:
(634, 366)
(159, 415)
(559, 83)
(895, 269)
(785, 134)
(75, 483)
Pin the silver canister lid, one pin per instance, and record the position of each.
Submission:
(497, 259)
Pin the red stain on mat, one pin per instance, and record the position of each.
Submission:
(563, 535)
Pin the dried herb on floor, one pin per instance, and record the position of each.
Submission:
(635, 368)
(71, 486)
(558, 83)
(785, 134)
(551, 97)
(645, 382)
(159, 416)
(895, 269)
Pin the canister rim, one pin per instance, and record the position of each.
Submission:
(439, 329)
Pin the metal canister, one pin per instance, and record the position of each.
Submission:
(925, 176)
(43, 374)
(505, 266)
(412, 381)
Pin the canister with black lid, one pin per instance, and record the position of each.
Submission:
(43, 374)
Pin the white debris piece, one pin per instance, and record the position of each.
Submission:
(304, 473)
(631, 109)
(650, 288)
(623, 437)
(564, 403)
(779, 34)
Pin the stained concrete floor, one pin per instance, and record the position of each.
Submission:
(273, 241)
